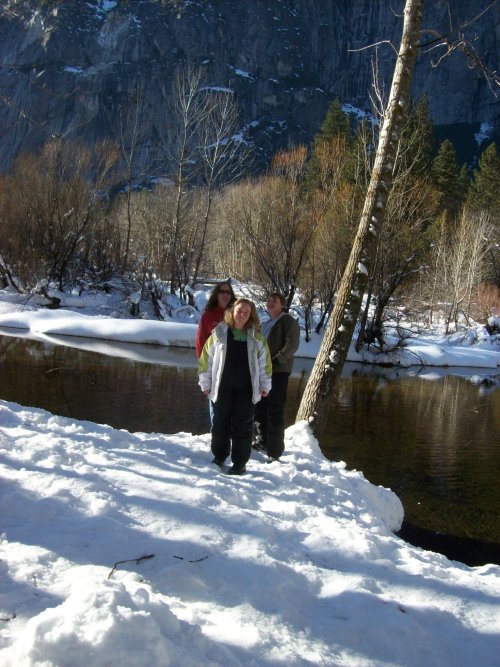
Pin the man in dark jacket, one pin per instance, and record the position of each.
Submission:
(283, 336)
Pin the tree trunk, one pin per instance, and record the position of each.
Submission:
(364, 320)
(333, 352)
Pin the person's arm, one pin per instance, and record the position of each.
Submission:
(265, 366)
(205, 366)
(292, 340)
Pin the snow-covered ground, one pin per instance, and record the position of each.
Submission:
(291, 564)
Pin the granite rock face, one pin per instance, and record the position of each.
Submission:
(72, 68)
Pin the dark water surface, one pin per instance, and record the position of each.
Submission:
(435, 442)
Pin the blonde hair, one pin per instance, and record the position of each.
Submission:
(253, 320)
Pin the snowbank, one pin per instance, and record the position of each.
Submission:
(292, 564)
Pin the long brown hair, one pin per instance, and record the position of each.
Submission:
(253, 320)
(213, 300)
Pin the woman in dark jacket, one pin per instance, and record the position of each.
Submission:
(282, 333)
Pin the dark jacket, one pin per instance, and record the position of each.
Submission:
(283, 341)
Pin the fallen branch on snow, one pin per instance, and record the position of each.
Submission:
(130, 560)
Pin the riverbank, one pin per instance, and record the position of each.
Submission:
(102, 319)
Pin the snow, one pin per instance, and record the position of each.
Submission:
(484, 133)
(242, 73)
(292, 564)
(132, 549)
(218, 89)
(362, 269)
(106, 5)
(73, 70)
(360, 114)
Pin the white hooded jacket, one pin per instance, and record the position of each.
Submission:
(213, 357)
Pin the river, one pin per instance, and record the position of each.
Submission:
(433, 437)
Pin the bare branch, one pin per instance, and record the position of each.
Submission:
(371, 46)
(457, 40)
(478, 16)
(130, 560)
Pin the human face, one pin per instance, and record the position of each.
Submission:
(274, 307)
(241, 315)
(223, 296)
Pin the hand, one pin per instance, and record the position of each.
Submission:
(264, 393)
(206, 392)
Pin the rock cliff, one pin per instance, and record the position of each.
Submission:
(71, 68)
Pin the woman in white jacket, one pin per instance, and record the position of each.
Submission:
(235, 372)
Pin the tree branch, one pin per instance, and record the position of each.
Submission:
(130, 560)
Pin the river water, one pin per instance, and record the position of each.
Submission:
(433, 438)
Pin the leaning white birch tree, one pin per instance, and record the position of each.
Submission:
(315, 401)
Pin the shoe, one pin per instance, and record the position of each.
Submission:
(236, 470)
(218, 462)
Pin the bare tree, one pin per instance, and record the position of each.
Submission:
(461, 266)
(274, 220)
(130, 140)
(223, 156)
(333, 352)
(229, 255)
(186, 114)
(402, 250)
(204, 150)
(53, 200)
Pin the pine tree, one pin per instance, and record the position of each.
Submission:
(420, 136)
(484, 198)
(336, 127)
(336, 122)
(484, 193)
(446, 178)
(463, 183)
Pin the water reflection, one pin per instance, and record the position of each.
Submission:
(121, 392)
(435, 443)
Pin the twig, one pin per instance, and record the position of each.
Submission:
(197, 560)
(371, 46)
(130, 560)
(474, 60)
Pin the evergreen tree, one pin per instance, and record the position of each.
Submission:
(420, 131)
(484, 198)
(446, 178)
(463, 183)
(484, 193)
(336, 122)
(336, 127)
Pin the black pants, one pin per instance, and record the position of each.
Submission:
(232, 425)
(269, 417)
